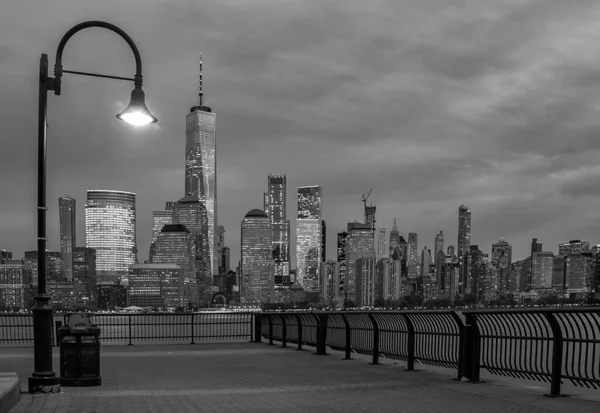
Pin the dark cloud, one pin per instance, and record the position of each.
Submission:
(491, 104)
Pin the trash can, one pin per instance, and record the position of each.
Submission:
(79, 344)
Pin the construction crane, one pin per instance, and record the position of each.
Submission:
(369, 210)
(364, 198)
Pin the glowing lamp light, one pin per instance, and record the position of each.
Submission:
(136, 113)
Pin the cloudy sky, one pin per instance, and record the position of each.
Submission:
(433, 103)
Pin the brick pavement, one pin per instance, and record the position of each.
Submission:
(259, 378)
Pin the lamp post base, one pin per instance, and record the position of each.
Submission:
(44, 384)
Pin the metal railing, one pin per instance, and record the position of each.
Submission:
(550, 345)
(143, 327)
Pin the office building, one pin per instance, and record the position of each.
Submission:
(329, 281)
(201, 166)
(156, 285)
(542, 265)
(191, 213)
(502, 254)
(66, 213)
(366, 271)
(257, 266)
(464, 231)
(110, 228)
(382, 244)
(275, 208)
(308, 237)
(413, 260)
(394, 242)
(84, 276)
(15, 282)
(359, 244)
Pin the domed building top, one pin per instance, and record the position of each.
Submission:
(256, 213)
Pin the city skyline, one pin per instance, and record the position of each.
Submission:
(439, 108)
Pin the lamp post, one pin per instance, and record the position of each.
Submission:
(43, 379)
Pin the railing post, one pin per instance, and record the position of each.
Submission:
(130, 343)
(410, 343)
(348, 346)
(257, 328)
(375, 339)
(557, 356)
(321, 334)
(283, 331)
(461, 345)
(299, 322)
(472, 349)
(270, 330)
(192, 327)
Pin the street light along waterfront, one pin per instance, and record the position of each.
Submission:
(43, 379)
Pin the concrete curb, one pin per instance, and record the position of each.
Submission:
(10, 391)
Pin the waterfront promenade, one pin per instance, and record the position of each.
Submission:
(255, 377)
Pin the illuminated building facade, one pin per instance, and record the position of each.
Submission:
(192, 214)
(309, 237)
(275, 207)
(201, 166)
(542, 264)
(84, 276)
(366, 270)
(382, 244)
(156, 285)
(413, 256)
(500, 250)
(110, 228)
(177, 245)
(66, 213)
(464, 231)
(359, 244)
(329, 281)
(15, 281)
(257, 266)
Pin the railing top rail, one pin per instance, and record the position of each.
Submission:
(533, 310)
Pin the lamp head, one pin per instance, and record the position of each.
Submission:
(136, 113)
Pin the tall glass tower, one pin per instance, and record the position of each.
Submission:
(110, 219)
(66, 211)
(464, 231)
(275, 207)
(308, 237)
(201, 166)
(257, 264)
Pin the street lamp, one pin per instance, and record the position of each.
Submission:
(43, 379)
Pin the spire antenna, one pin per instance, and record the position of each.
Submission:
(200, 85)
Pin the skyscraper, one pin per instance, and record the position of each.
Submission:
(175, 244)
(191, 213)
(464, 231)
(275, 208)
(439, 244)
(359, 244)
(502, 249)
(413, 256)
(201, 165)
(382, 246)
(308, 237)
(66, 211)
(341, 256)
(394, 242)
(110, 228)
(256, 272)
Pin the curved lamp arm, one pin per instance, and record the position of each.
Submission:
(58, 69)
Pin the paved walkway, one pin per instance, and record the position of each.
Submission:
(246, 377)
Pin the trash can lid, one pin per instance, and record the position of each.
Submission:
(79, 320)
